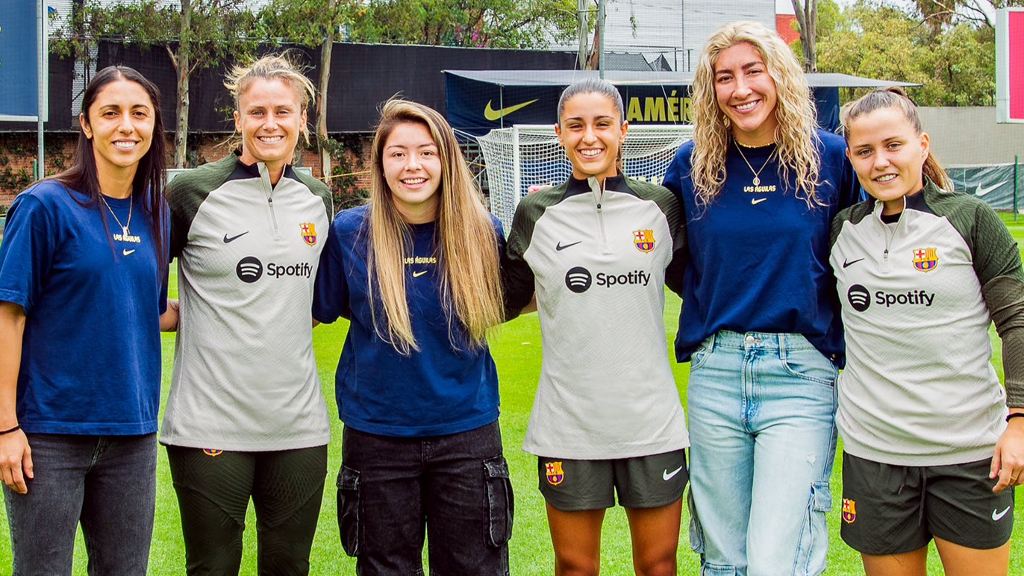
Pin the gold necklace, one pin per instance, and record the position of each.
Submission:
(757, 173)
(124, 227)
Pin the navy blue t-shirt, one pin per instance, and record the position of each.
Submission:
(758, 254)
(435, 391)
(90, 361)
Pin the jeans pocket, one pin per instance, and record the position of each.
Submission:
(810, 365)
(814, 540)
(500, 502)
(348, 510)
(700, 355)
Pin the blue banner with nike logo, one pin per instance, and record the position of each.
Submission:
(480, 101)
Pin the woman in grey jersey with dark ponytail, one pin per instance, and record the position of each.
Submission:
(607, 419)
(933, 445)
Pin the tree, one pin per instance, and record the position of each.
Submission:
(954, 66)
(482, 23)
(807, 21)
(312, 23)
(941, 13)
(198, 34)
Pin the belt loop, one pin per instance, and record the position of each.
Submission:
(711, 342)
(782, 346)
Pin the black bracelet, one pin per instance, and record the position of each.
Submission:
(1009, 417)
(16, 428)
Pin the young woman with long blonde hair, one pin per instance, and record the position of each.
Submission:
(416, 272)
(760, 322)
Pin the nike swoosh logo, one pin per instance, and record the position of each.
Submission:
(127, 252)
(493, 115)
(419, 273)
(848, 263)
(756, 201)
(559, 247)
(996, 516)
(230, 239)
(979, 191)
(666, 475)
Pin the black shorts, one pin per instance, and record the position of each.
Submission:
(641, 482)
(891, 509)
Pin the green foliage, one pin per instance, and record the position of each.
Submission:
(218, 30)
(306, 22)
(955, 65)
(344, 182)
(482, 23)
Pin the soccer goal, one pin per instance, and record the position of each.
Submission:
(527, 155)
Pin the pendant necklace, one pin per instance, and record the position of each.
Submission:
(757, 173)
(125, 233)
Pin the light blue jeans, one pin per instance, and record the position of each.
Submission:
(763, 438)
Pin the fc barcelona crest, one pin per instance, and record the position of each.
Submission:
(553, 472)
(643, 240)
(926, 259)
(849, 511)
(308, 230)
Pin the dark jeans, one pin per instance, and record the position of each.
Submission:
(108, 483)
(456, 487)
(214, 487)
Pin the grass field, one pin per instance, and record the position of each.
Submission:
(517, 352)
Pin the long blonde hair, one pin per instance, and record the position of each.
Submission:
(271, 67)
(897, 99)
(796, 136)
(467, 249)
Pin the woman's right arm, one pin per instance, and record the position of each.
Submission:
(15, 454)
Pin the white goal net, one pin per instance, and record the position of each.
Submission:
(527, 155)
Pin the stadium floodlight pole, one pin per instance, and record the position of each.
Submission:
(600, 37)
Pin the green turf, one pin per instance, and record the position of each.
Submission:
(516, 349)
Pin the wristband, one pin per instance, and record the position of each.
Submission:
(1008, 418)
(16, 428)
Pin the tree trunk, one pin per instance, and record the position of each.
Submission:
(321, 103)
(184, 64)
(807, 20)
(583, 50)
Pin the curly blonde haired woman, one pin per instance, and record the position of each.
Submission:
(415, 271)
(760, 326)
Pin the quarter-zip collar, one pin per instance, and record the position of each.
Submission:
(615, 183)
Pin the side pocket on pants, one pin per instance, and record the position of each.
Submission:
(500, 503)
(811, 556)
(348, 510)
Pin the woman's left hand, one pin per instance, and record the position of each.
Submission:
(1008, 459)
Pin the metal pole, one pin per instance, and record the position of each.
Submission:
(1016, 184)
(600, 36)
(41, 85)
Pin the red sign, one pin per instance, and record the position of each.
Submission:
(1010, 65)
(1015, 64)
